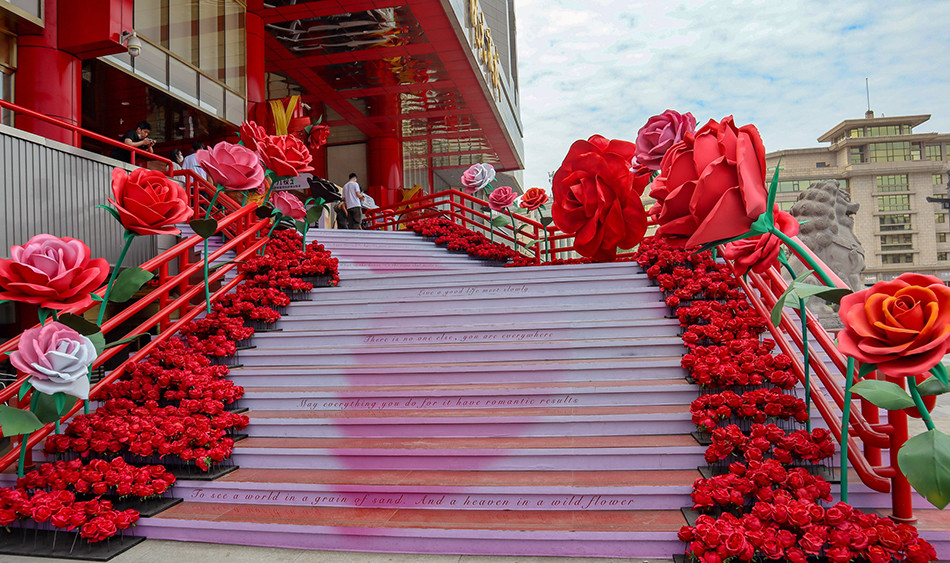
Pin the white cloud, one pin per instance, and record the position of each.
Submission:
(794, 69)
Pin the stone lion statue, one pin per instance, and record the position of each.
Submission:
(827, 216)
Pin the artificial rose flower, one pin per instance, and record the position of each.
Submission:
(501, 198)
(477, 177)
(288, 204)
(57, 358)
(51, 272)
(533, 198)
(711, 186)
(759, 253)
(318, 136)
(252, 134)
(233, 166)
(148, 202)
(659, 134)
(903, 325)
(597, 197)
(285, 155)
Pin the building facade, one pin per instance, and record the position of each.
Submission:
(890, 168)
(414, 91)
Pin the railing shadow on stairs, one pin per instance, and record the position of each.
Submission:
(762, 290)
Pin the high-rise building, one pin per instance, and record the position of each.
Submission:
(890, 168)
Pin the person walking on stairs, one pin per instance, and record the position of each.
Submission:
(353, 199)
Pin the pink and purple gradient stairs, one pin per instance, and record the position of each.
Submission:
(431, 404)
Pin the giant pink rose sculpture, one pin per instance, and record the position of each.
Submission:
(233, 166)
(289, 205)
(57, 359)
(712, 186)
(51, 272)
(659, 134)
(477, 176)
(502, 198)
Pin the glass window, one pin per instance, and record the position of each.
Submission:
(942, 256)
(937, 179)
(234, 107)
(933, 152)
(234, 58)
(893, 202)
(897, 242)
(211, 39)
(212, 95)
(6, 93)
(940, 218)
(31, 7)
(858, 132)
(182, 29)
(915, 151)
(793, 185)
(897, 258)
(899, 222)
(856, 155)
(182, 80)
(941, 237)
(892, 183)
(152, 64)
(889, 152)
(785, 205)
(149, 21)
(882, 130)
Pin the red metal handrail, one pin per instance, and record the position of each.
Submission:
(526, 236)
(827, 391)
(87, 133)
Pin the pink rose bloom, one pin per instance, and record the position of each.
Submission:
(760, 252)
(659, 134)
(477, 177)
(251, 134)
(288, 204)
(285, 155)
(57, 358)
(233, 166)
(51, 272)
(502, 198)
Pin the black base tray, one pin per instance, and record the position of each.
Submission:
(268, 330)
(40, 543)
(148, 507)
(194, 473)
(238, 410)
(238, 437)
(702, 438)
(248, 347)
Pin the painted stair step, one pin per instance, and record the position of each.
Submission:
(579, 272)
(616, 533)
(393, 256)
(460, 352)
(512, 490)
(528, 421)
(481, 372)
(329, 335)
(368, 399)
(478, 388)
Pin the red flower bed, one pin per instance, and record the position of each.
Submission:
(458, 238)
(758, 481)
(99, 477)
(95, 519)
(770, 441)
(758, 405)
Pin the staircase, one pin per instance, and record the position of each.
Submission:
(433, 404)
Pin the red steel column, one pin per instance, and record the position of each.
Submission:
(254, 48)
(384, 152)
(49, 81)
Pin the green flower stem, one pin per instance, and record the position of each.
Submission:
(547, 244)
(244, 201)
(805, 255)
(22, 459)
(919, 401)
(801, 314)
(214, 200)
(845, 425)
(514, 232)
(263, 248)
(129, 237)
(207, 284)
(270, 188)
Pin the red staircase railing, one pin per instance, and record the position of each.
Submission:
(526, 235)
(178, 297)
(763, 291)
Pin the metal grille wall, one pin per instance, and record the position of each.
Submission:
(49, 187)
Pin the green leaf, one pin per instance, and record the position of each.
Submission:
(780, 302)
(79, 324)
(925, 461)
(216, 266)
(799, 290)
(932, 386)
(122, 341)
(865, 370)
(205, 228)
(500, 221)
(884, 394)
(49, 409)
(300, 226)
(314, 213)
(773, 189)
(16, 422)
(24, 389)
(547, 220)
(940, 372)
(95, 297)
(112, 212)
(43, 313)
(99, 341)
(129, 281)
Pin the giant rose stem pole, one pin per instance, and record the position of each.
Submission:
(845, 424)
(804, 255)
(214, 200)
(918, 400)
(801, 315)
(129, 237)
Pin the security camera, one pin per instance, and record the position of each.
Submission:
(132, 42)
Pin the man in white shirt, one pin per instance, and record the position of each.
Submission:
(352, 198)
(191, 161)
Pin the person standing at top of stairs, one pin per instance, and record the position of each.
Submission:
(353, 198)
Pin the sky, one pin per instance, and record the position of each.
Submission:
(793, 68)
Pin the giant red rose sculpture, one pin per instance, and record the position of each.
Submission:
(711, 186)
(51, 272)
(597, 197)
(285, 155)
(148, 202)
(759, 253)
(902, 326)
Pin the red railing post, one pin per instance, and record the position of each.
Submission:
(902, 505)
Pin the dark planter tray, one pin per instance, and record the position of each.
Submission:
(238, 437)
(194, 473)
(145, 507)
(237, 410)
(244, 347)
(702, 438)
(63, 544)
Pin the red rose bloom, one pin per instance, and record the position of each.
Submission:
(51, 272)
(252, 134)
(903, 325)
(148, 202)
(533, 198)
(712, 185)
(597, 197)
(318, 136)
(759, 253)
(285, 155)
